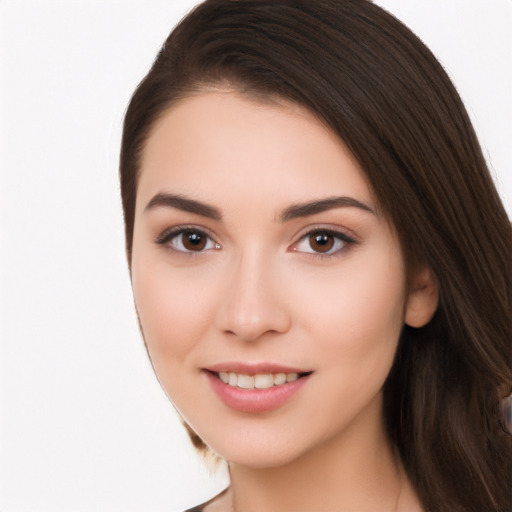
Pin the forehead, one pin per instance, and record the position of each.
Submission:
(221, 144)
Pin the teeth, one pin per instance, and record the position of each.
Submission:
(263, 381)
(233, 379)
(260, 381)
(279, 378)
(245, 381)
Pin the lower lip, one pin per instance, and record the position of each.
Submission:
(255, 400)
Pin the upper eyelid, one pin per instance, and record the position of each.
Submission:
(327, 228)
(169, 232)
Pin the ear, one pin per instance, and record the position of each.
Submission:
(422, 299)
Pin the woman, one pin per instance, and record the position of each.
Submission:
(320, 260)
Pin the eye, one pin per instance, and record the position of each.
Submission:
(323, 241)
(187, 240)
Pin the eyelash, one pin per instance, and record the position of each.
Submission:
(340, 238)
(169, 235)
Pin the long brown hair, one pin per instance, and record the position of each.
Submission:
(373, 82)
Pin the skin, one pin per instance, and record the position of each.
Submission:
(259, 291)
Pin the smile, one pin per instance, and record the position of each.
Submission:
(257, 392)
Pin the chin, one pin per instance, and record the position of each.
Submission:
(261, 447)
(258, 457)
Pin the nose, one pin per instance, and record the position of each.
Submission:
(254, 302)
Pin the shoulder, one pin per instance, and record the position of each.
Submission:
(220, 503)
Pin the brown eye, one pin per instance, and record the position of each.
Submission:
(187, 240)
(193, 240)
(321, 242)
(324, 242)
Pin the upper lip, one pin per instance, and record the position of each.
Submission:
(254, 368)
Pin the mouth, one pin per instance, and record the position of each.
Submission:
(255, 389)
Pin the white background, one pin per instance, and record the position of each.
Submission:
(84, 425)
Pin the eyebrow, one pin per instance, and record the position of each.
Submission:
(185, 204)
(321, 205)
(292, 212)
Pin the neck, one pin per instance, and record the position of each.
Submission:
(356, 470)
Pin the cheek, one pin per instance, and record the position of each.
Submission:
(355, 330)
(358, 321)
(173, 313)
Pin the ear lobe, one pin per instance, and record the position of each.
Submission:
(422, 300)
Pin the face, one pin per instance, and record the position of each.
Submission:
(270, 289)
